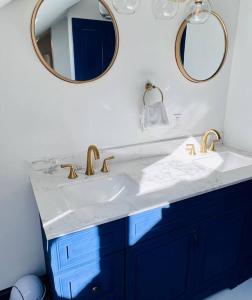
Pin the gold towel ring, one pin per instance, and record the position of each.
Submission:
(149, 87)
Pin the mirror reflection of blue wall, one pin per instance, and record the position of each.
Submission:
(94, 45)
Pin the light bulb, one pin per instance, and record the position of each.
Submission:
(165, 9)
(198, 11)
(127, 7)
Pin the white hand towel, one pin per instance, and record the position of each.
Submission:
(154, 115)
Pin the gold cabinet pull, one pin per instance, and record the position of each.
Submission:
(105, 166)
(72, 171)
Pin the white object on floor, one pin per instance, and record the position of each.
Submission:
(242, 292)
(154, 115)
(29, 287)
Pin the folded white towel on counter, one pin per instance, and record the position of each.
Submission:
(154, 115)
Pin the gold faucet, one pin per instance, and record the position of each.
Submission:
(203, 144)
(90, 167)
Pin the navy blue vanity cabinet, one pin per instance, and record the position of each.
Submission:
(219, 242)
(160, 268)
(97, 280)
(89, 264)
(185, 251)
(246, 254)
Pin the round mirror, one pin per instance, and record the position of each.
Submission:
(201, 49)
(76, 40)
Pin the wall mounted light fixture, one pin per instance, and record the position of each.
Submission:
(165, 9)
(198, 11)
(127, 7)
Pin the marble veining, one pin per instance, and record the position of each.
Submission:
(163, 174)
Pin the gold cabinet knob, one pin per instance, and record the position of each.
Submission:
(105, 167)
(72, 171)
(191, 149)
(96, 289)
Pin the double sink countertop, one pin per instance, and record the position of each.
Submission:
(142, 177)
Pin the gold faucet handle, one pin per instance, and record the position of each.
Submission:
(213, 145)
(105, 167)
(72, 172)
(190, 148)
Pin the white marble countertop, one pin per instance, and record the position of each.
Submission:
(163, 172)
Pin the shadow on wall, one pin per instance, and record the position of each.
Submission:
(4, 3)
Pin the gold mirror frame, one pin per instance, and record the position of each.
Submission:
(178, 45)
(51, 70)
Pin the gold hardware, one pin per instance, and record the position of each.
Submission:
(149, 87)
(49, 68)
(213, 145)
(179, 40)
(72, 172)
(90, 168)
(191, 149)
(105, 167)
(203, 144)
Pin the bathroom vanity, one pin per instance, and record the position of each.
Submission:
(160, 227)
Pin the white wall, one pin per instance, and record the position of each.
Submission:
(238, 123)
(41, 115)
(4, 2)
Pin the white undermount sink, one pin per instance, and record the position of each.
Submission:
(101, 190)
(225, 161)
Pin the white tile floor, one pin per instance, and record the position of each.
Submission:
(242, 292)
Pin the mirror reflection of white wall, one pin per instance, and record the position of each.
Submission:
(204, 49)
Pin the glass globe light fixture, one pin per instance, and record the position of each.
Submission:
(165, 9)
(198, 11)
(127, 7)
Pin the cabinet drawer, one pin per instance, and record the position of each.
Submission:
(87, 245)
(99, 280)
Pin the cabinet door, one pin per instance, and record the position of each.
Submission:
(246, 253)
(98, 280)
(247, 249)
(220, 245)
(160, 268)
